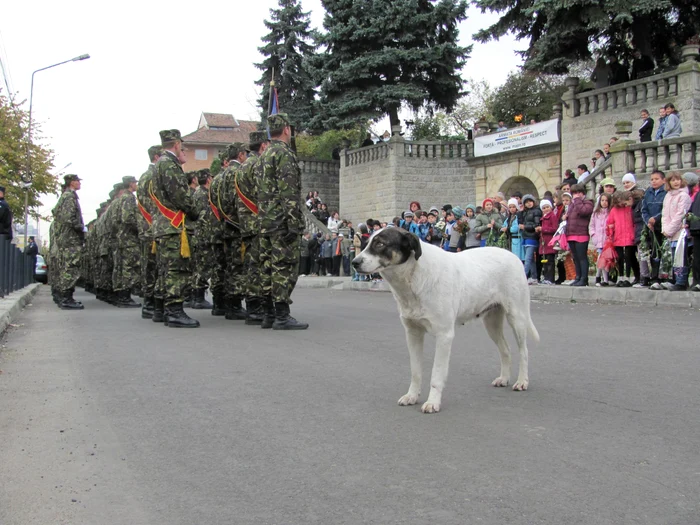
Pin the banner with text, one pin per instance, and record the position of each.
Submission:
(517, 138)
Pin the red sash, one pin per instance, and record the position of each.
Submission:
(245, 200)
(145, 213)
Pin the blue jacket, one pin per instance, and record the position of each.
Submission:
(413, 227)
(423, 231)
(652, 203)
(660, 129)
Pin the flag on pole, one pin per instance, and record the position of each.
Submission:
(275, 102)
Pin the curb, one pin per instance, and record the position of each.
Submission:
(12, 304)
(545, 293)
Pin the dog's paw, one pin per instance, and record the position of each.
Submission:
(430, 408)
(408, 399)
(500, 381)
(521, 386)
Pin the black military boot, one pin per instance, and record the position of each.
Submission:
(124, 300)
(56, 296)
(188, 301)
(148, 307)
(158, 311)
(72, 291)
(219, 306)
(284, 321)
(200, 302)
(268, 309)
(175, 317)
(234, 309)
(111, 297)
(254, 307)
(68, 303)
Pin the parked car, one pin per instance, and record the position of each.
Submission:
(41, 270)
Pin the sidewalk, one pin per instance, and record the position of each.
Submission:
(540, 292)
(12, 304)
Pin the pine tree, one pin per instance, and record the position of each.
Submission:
(380, 54)
(562, 32)
(287, 48)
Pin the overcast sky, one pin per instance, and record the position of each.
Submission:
(154, 65)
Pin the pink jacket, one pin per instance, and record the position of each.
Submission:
(620, 226)
(596, 228)
(676, 205)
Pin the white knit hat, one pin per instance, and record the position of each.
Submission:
(545, 202)
(629, 177)
(512, 201)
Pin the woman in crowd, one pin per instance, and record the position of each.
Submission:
(577, 218)
(620, 228)
(488, 223)
(672, 128)
(596, 229)
(676, 206)
(472, 240)
(323, 214)
(414, 206)
(333, 222)
(548, 227)
(326, 256)
(529, 221)
(601, 74)
(647, 127)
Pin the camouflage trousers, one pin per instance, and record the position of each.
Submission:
(251, 262)
(86, 268)
(126, 274)
(280, 267)
(148, 268)
(68, 267)
(218, 269)
(174, 281)
(106, 269)
(203, 265)
(235, 276)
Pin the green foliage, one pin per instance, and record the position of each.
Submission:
(14, 140)
(475, 106)
(382, 54)
(561, 32)
(321, 146)
(527, 94)
(287, 51)
(215, 167)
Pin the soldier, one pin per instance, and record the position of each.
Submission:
(127, 251)
(246, 186)
(107, 244)
(203, 255)
(281, 221)
(172, 197)
(70, 234)
(218, 251)
(152, 306)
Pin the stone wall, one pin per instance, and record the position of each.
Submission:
(322, 176)
(589, 121)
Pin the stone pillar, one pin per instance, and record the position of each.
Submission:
(622, 157)
(569, 97)
(557, 111)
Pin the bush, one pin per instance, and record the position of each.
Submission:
(321, 146)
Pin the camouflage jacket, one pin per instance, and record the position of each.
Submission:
(145, 200)
(106, 230)
(207, 224)
(68, 231)
(126, 220)
(279, 191)
(169, 186)
(246, 186)
(221, 196)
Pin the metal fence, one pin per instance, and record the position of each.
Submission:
(16, 269)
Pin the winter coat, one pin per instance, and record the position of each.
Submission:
(313, 247)
(484, 219)
(530, 218)
(327, 249)
(676, 205)
(578, 216)
(620, 226)
(304, 247)
(646, 129)
(672, 128)
(652, 202)
(513, 231)
(423, 231)
(550, 224)
(637, 195)
(597, 226)
(695, 225)
(409, 227)
(472, 241)
(660, 129)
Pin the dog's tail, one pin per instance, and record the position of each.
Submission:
(533, 331)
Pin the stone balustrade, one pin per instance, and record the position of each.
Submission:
(367, 154)
(438, 149)
(667, 155)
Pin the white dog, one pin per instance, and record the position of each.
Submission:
(436, 290)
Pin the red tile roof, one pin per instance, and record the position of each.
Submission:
(219, 120)
(233, 131)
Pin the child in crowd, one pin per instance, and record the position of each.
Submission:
(596, 229)
(547, 229)
(676, 206)
(408, 224)
(651, 205)
(472, 240)
(452, 235)
(423, 226)
(433, 236)
(620, 228)
(512, 229)
(488, 222)
(578, 215)
(529, 221)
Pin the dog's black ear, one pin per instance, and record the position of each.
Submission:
(415, 245)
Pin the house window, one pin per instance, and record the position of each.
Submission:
(200, 154)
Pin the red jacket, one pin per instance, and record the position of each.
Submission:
(549, 223)
(620, 226)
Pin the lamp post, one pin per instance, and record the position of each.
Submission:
(27, 177)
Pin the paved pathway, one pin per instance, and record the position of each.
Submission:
(108, 419)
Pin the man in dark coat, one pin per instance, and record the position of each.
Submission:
(5, 215)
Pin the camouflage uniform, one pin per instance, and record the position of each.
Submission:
(169, 187)
(218, 256)
(107, 240)
(147, 211)
(127, 249)
(69, 232)
(235, 273)
(280, 217)
(203, 233)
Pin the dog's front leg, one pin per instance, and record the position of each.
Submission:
(415, 336)
(443, 347)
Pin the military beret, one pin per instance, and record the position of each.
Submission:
(170, 135)
(70, 178)
(232, 150)
(128, 179)
(112, 193)
(203, 175)
(118, 186)
(155, 150)
(278, 122)
(257, 137)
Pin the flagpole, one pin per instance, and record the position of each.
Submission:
(272, 88)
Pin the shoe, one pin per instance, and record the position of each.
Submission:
(605, 283)
(531, 281)
(599, 284)
(548, 283)
(635, 283)
(219, 306)
(597, 280)
(568, 282)
(235, 310)
(328, 275)
(199, 302)
(189, 300)
(580, 283)
(574, 282)
(696, 288)
(175, 317)
(68, 303)
(255, 312)
(284, 321)
(148, 307)
(158, 311)
(640, 285)
(677, 288)
(623, 283)
(124, 300)
(666, 285)
(268, 313)
(656, 286)
(303, 275)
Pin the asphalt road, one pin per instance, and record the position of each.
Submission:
(109, 419)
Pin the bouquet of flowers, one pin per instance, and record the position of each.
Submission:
(462, 227)
(607, 260)
(666, 267)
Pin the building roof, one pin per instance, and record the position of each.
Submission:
(220, 129)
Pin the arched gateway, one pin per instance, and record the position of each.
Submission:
(521, 184)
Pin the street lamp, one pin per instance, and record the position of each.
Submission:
(27, 177)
